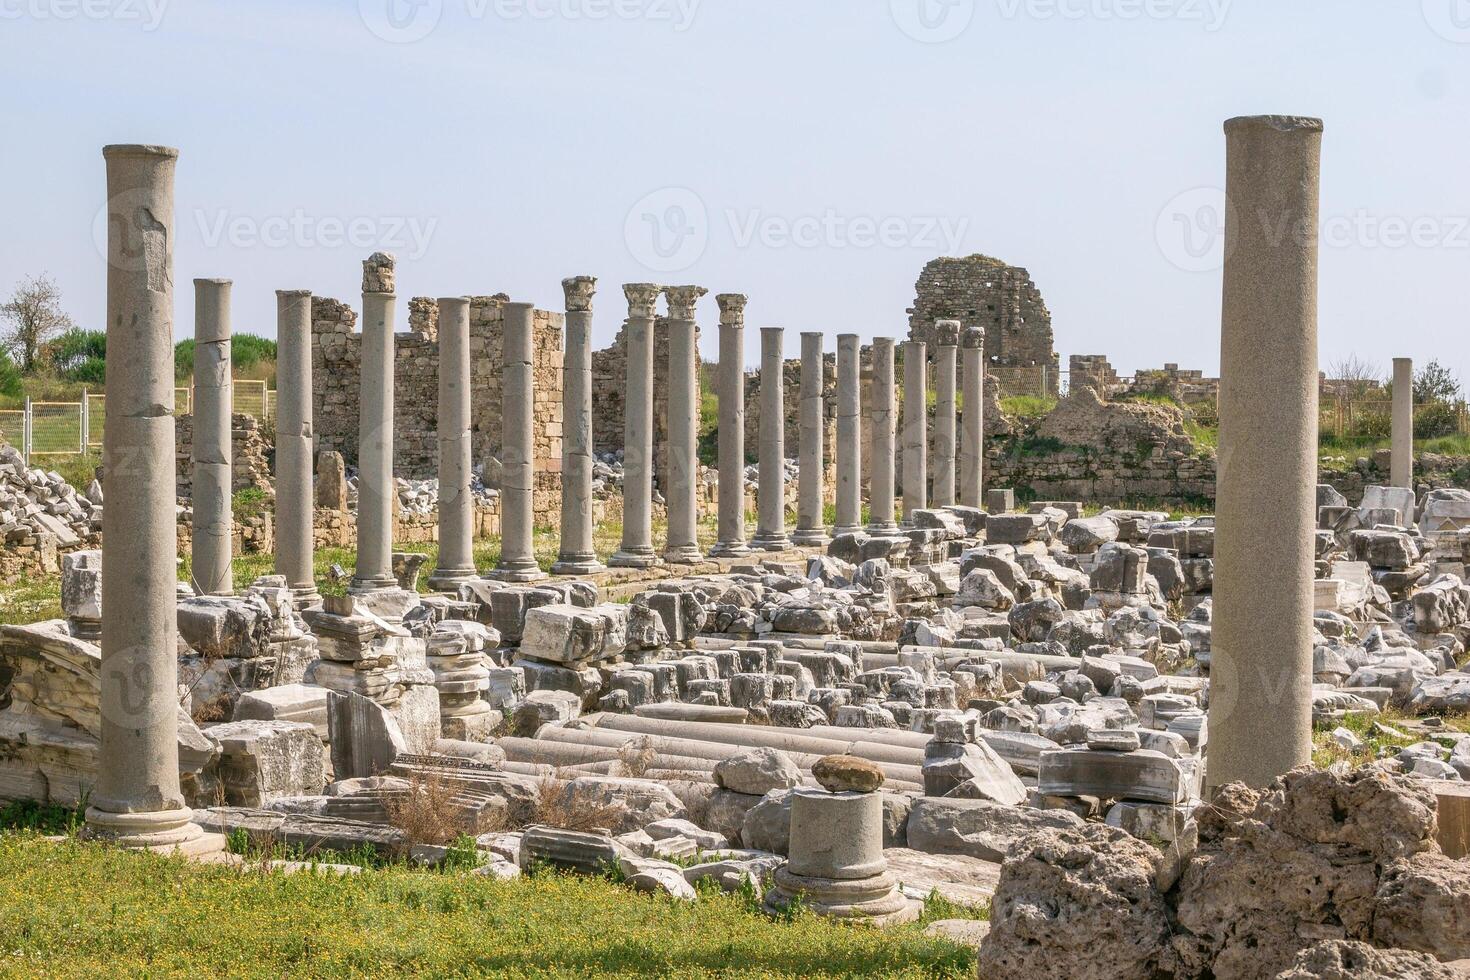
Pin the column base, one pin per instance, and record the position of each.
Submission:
(876, 900)
(635, 559)
(730, 549)
(688, 554)
(883, 529)
(771, 541)
(813, 538)
(516, 572)
(578, 565)
(448, 579)
(362, 586)
(842, 529)
(306, 597)
(164, 832)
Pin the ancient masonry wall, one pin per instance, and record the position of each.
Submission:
(336, 347)
(1096, 370)
(999, 298)
(610, 396)
(251, 447)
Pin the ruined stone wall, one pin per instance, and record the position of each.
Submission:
(251, 446)
(1000, 299)
(336, 347)
(610, 396)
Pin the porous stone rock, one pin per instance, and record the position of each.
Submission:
(757, 771)
(847, 773)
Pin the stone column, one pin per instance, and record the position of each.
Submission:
(915, 428)
(972, 431)
(1401, 469)
(517, 450)
(136, 801)
(683, 490)
(295, 439)
(214, 529)
(576, 555)
(1261, 671)
(732, 428)
(945, 356)
(637, 547)
(849, 452)
(880, 485)
(811, 530)
(376, 492)
(456, 506)
(770, 534)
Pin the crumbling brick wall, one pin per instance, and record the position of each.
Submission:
(251, 446)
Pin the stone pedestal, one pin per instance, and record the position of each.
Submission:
(837, 866)
(849, 452)
(376, 492)
(456, 510)
(636, 550)
(811, 530)
(518, 451)
(946, 356)
(213, 538)
(881, 483)
(1261, 668)
(295, 445)
(1401, 466)
(972, 432)
(576, 555)
(915, 429)
(731, 381)
(683, 490)
(770, 533)
(137, 801)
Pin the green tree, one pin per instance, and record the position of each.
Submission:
(80, 355)
(1435, 383)
(10, 377)
(31, 317)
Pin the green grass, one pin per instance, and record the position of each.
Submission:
(81, 910)
(1325, 752)
(1027, 406)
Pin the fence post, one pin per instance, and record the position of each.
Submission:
(25, 432)
(86, 423)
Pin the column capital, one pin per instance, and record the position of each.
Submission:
(378, 273)
(642, 298)
(579, 291)
(946, 333)
(973, 338)
(681, 300)
(732, 308)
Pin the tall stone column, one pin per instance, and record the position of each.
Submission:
(214, 529)
(517, 450)
(732, 428)
(811, 530)
(915, 428)
(136, 801)
(376, 492)
(881, 483)
(637, 547)
(295, 447)
(1401, 468)
(683, 491)
(456, 507)
(770, 534)
(945, 357)
(849, 454)
(972, 430)
(1261, 669)
(576, 555)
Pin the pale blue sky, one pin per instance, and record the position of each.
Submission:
(811, 153)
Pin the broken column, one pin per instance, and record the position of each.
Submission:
(683, 491)
(456, 508)
(1401, 466)
(295, 545)
(1261, 666)
(376, 492)
(849, 451)
(810, 528)
(731, 381)
(576, 555)
(517, 451)
(213, 537)
(770, 534)
(972, 430)
(880, 482)
(947, 334)
(915, 428)
(636, 550)
(137, 801)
